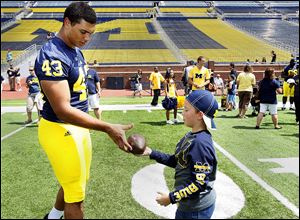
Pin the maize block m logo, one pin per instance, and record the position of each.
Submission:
(198, 75)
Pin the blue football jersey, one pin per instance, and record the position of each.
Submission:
(92, 79)
(56, 61)
(34, 87)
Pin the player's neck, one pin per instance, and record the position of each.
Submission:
(199, 66)
(62, 35)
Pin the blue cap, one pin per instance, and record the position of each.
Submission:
(204, 101)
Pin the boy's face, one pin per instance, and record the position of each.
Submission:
(189, 114)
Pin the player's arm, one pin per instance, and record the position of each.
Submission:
(58, 94)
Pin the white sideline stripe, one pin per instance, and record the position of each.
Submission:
(261, 182)
(16, 131)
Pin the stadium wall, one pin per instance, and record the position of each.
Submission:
(126, 72)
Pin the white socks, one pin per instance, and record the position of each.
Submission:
(55, 214)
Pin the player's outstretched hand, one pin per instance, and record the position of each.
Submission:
(117, 134)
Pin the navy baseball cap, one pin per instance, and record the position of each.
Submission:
(204, 101)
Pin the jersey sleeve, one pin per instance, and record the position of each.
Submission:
(166, 159)
(202, 167)
(49, 66)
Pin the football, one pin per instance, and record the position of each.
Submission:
(137, 142)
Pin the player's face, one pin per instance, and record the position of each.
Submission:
(80, 33)
(189, 114)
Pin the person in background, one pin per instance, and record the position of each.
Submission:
(137, 83)
(94, 92)
(11, 78)
(199, 76)
(156, 79)
(267, 93)
(195, 161)
(288, 92)
(185, 77)
(219, 84)
(18, 79)
(2, 81)
(231, 91)
(171, 93)
(235, 74)
(274, 56)
(34, 96)
(245, 83)
(263, 60)
(9, 56)
(294, 82)
(49, 36)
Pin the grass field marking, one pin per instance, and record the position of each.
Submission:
(261, 182)
(150, 179)
(16, 131)
(149, 110)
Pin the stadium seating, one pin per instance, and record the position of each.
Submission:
(285, 33)
(125, 33)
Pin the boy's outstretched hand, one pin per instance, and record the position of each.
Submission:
(163, 199)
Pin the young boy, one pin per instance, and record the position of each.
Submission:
(194, 160)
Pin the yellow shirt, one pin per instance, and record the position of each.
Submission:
(172, 89)
(199, 76)
(246, 80)
(156, 79)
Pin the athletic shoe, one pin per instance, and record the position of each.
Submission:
(292, 108)
(169, 122)
(283, 108)
(28, 121)
(278, 127)
(256, 127)
(46, 216)
(175, 121)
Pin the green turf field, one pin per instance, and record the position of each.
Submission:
(28, 186)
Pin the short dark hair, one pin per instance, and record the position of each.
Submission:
(80, 10)
(200, 58)
(232, 65)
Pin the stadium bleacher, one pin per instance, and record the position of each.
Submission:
(125, 28)
(285, 33)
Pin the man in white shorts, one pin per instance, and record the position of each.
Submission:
(94, 92)
(34, 95)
